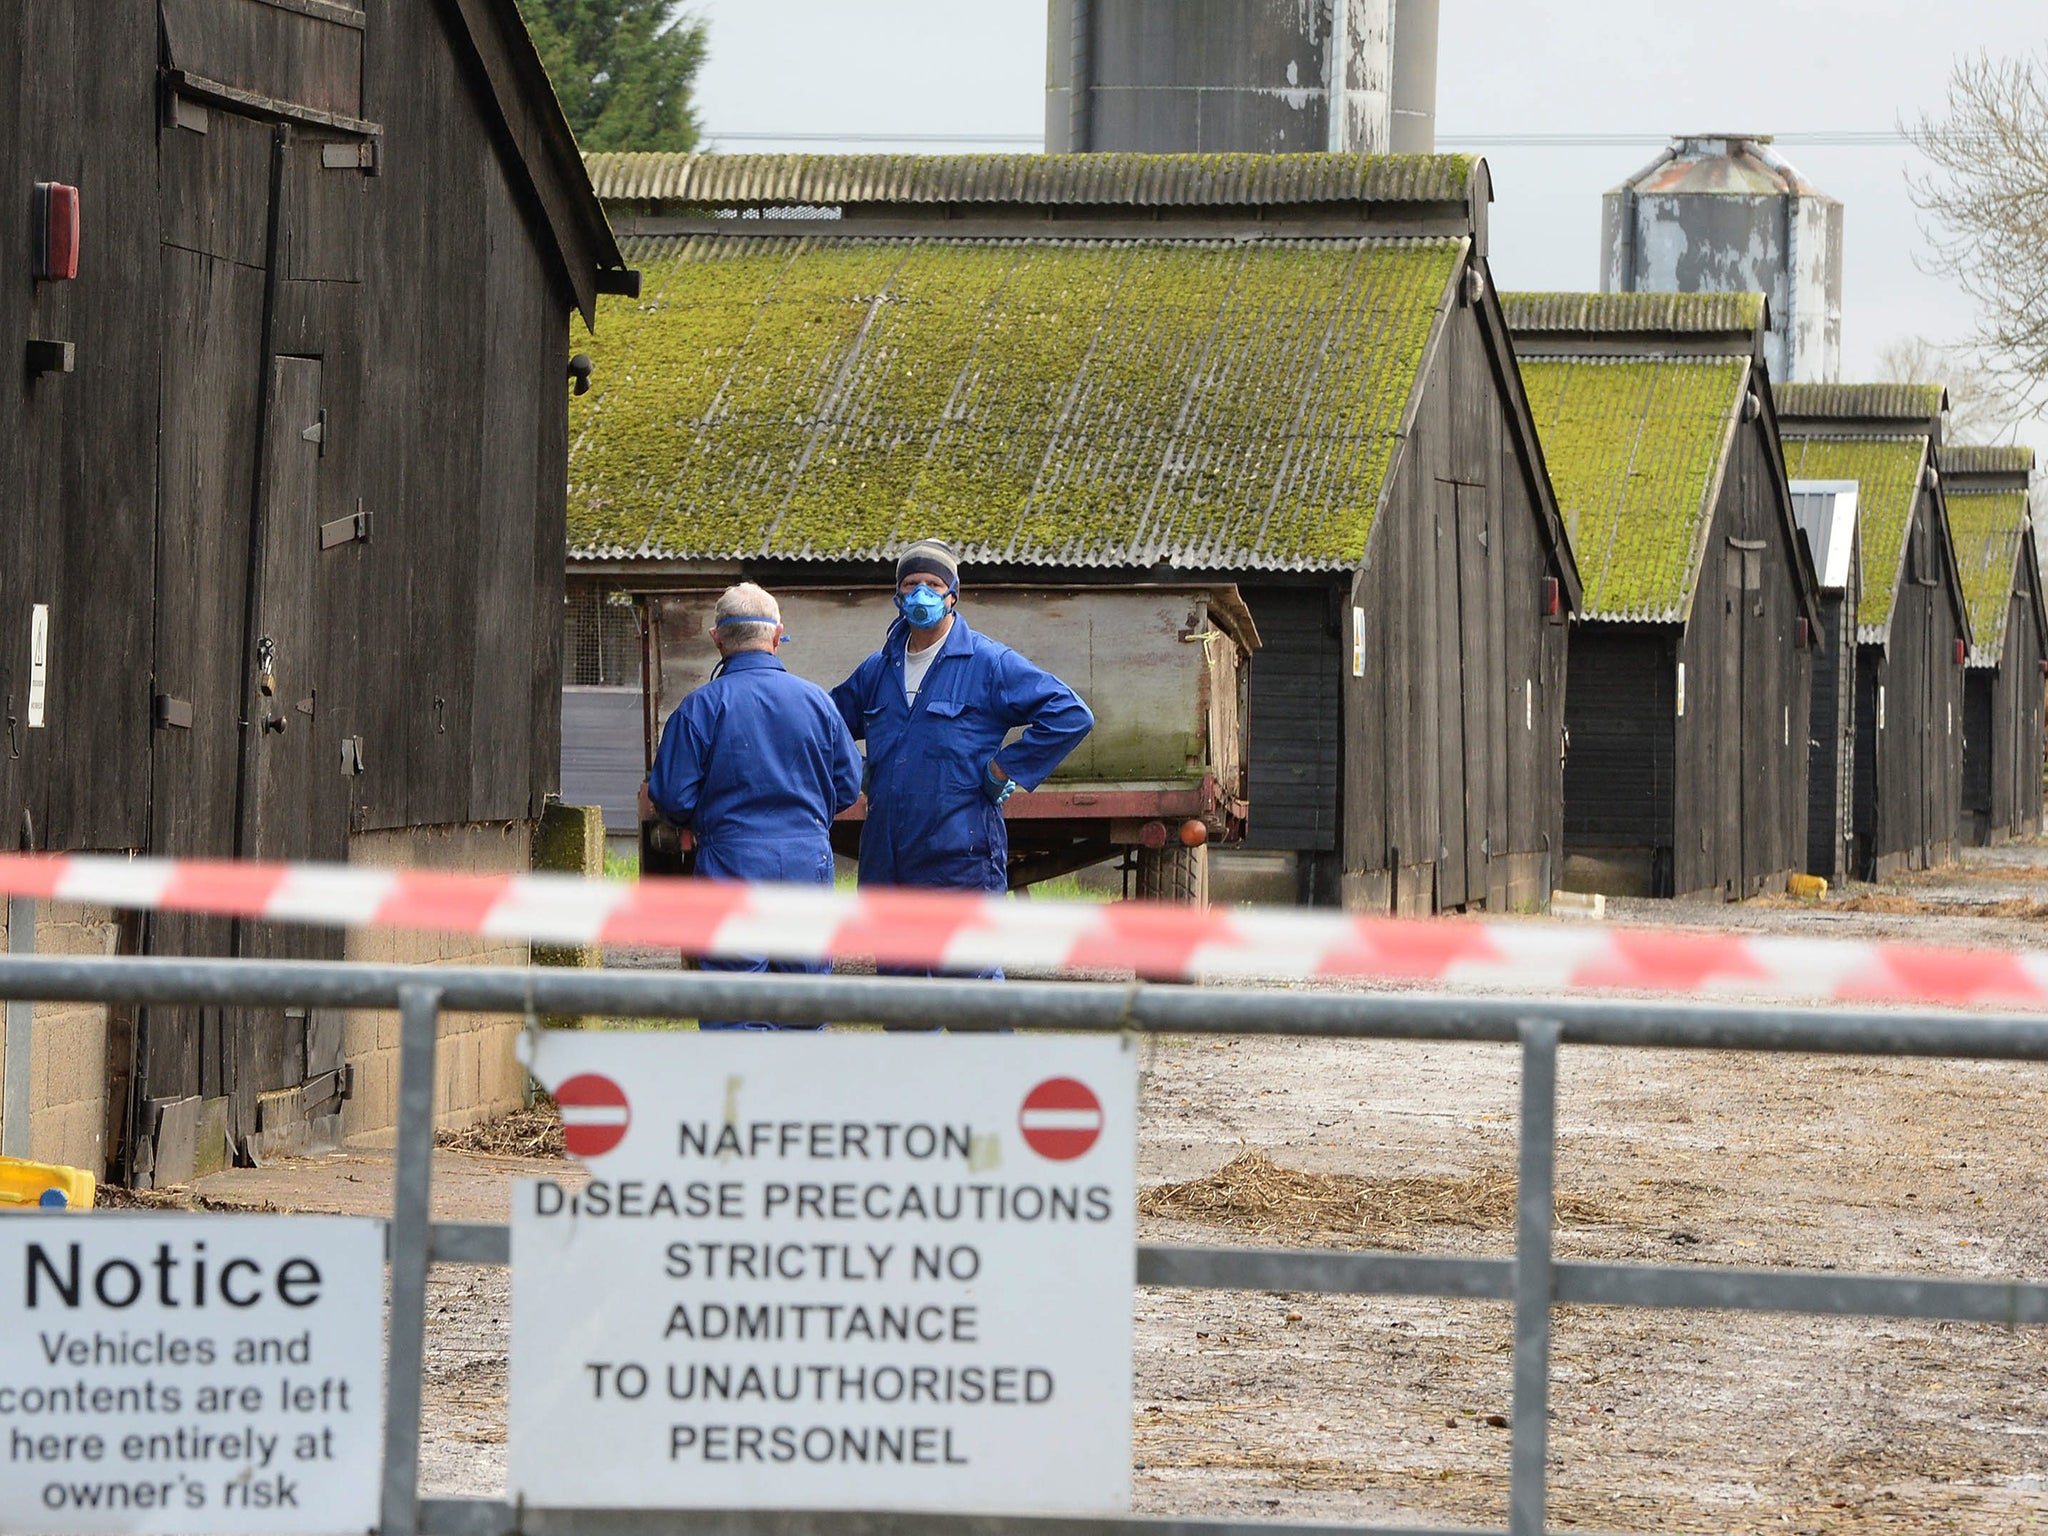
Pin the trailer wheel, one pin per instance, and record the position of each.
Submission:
(1174, 873)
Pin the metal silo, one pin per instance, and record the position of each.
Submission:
(1721, 213)
(1212, 76)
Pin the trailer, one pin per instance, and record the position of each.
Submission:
(1165, 669)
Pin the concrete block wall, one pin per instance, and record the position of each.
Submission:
(477, 1078)
(68, 1082)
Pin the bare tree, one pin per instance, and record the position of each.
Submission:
(1981, 408)
(1986, 206)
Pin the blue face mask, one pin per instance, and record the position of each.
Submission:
(924, 607)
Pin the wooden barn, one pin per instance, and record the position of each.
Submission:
(281, 471)
(1290, 372)
(1912, 629)
(1827, 517)
(1988, 491)
(1685, 773)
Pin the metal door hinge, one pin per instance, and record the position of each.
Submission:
(317, 433)
(345, 530)
(173, 713)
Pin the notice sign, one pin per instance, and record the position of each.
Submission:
(857, 1271)
(190, 1374)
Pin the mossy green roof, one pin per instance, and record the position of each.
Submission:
(1987, 527)
(1985, 459)
(1635, 451)
(1111, 179)
(1626, 314)
(1887, 473)
(1212, 404)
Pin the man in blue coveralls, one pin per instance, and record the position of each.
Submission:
(756, 763)
(934, 705)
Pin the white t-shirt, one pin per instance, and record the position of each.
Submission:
(915, 665)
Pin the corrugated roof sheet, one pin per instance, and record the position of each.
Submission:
(1985, 459)
(1635, 449)
(1143, 180)
(1634, 313)
(1986, 527)
(1914, 403)
(1887, 473)
(1217, 404)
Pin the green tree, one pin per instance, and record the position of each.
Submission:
(623, 70)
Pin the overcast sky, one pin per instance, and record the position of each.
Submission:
(1648, 67)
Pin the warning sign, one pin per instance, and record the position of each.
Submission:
(190, 1374)
(595, 1114)
(1061, 1118)
(831, 1272)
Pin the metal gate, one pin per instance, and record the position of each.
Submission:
(1533, 1283)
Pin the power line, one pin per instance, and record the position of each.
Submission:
(1828, 138)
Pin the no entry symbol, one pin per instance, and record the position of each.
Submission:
(595, 1114)
(1061, 1118)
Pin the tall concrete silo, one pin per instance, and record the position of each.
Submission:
(1209, 76)
(1725, 213)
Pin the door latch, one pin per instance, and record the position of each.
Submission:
(266, 666)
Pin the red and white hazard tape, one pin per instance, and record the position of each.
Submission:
(971, 933)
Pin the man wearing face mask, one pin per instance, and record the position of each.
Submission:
(934, 706)
(755, 763)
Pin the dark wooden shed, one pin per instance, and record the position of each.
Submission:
(1691, 667)
(1988, 491)
(1912, 629)
(1827, 518)
(282, 478)
(1290, 371)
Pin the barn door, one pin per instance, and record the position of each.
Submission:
(286, 1063)
(1763, 731)
(1726, 713)
(246, 455)
(1450, 685)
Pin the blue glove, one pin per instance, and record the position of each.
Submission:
(997, 790)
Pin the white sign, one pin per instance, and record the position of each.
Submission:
(855, 1271)
(190, 1374)
(38, 663)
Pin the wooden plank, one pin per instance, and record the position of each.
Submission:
(82, 485)
(309, 59)
(15, 297)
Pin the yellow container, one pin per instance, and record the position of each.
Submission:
(1808, 887)
(50, 1186)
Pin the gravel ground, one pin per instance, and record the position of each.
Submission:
(1331, 1408)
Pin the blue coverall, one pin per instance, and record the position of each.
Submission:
(929, 821)
(757, 763)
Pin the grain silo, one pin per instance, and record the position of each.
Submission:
(1725, 213)
(1256, 76)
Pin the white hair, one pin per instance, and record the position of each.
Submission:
(746, 601)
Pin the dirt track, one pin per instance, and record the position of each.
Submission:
(1335, 1408)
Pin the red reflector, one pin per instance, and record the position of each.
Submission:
(1553, 597)
(1962, 652)
(1805, 633)
(56, 233)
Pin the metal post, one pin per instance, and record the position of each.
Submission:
(411, 1252)
(1534, 1211)
(15, 1094)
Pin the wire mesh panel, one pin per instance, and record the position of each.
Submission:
(600, 638)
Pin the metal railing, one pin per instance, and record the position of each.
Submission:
(1533, 1282)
